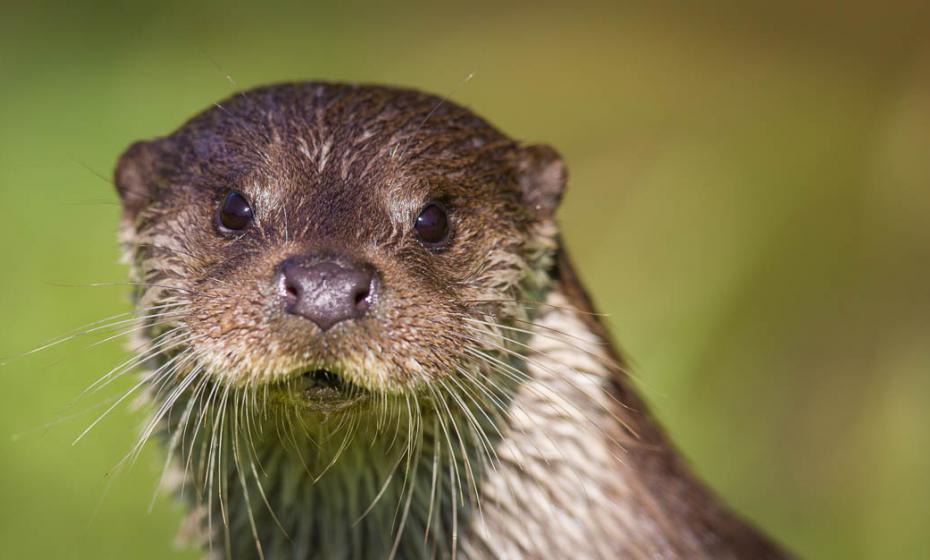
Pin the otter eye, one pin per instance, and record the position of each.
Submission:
(432, 225)
(235, 213)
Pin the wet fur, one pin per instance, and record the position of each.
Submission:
(497, 420)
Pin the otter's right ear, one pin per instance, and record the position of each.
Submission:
(542, 179)
(134, 178)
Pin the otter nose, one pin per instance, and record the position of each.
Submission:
(326, 291)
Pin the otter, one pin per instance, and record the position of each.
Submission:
(364, 339)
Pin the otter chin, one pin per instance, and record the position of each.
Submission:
(363, 338)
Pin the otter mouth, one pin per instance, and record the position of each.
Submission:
(328, 391)
(323, 381)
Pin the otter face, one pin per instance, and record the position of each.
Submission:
(333, 236)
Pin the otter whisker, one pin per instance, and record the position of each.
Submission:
(438, 399)
(167, 404)
(414, 441)
(213, 457)
(159, 346)
(241, 475)
(582, 484)
(454, 541)
(566, 407)
(409, 491)
(472, 421)
(535, 304)
(560, 336)
(470, 478)
(509, 410)
(163, 379)
(222, 466)
(110, 409)
(195, 401)
(502, 348)
(264, 497)
(384, 486)
(506, 409)
(90, 328)
(485, 440)
(474, 427)
(145, 325)
(255, 458)
(205, 407)
(177, 438)
(566, 379)
(347, 438)
(397, 423)
(113, 284)
(520, 377)
(62, 418)
(432, 490)
(144, 380)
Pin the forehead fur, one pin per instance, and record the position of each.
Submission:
(331, 133)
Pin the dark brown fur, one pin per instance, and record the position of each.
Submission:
(344, 170)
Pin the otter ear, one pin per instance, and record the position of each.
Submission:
(134, 178)
(542, 179)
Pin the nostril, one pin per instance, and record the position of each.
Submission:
(362, 297)
(290, 290)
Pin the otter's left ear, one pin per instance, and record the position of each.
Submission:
(134, 177)
(542, 179)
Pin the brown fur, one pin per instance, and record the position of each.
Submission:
(344, 170)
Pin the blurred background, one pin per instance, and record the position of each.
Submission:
(749, 201)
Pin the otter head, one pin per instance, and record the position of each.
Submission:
(351, 239)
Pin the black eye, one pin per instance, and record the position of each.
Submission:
(235, 213)
(432, 225)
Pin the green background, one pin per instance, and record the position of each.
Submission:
(749, 201)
